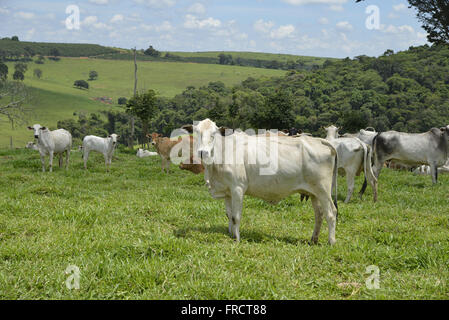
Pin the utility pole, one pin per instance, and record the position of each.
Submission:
(131, 140)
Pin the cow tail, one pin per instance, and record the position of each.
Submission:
(334, 182)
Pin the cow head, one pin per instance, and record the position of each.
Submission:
(153, 137)
(206, 132)
(114, 138)
(37, 128)
(332, 132)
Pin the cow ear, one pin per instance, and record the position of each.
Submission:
(43, 128)
(300, 131)
(285, 131)
(30, 128)
(188, 128)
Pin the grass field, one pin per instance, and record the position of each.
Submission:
(136, 233)
(57, 99)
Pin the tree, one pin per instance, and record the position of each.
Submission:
(152, 52)
(54, 53)
(37, 73)
(3, 71)
(13, 95)
(22, 67)
(40, 60)
(93, 75)
(81, 84)
(434, 16)
(122, 100)
(143, 105)
(276, 112)
(15, 38)
(18, 75)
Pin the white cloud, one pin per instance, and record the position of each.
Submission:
(344, 26)
(262, 26)
(399, 7)
(4, 11)
(193, 22)
(89, 20)
(157, 3)
(337, 8)
(30, 33)
(24, 15)
(99, 1)
(197, 8)
(323, 20)
(301, 2)
(282, 32)
(396, 29)
(116, 18)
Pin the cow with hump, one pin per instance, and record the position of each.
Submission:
(303, 165)
(52, 142)
(429, 148)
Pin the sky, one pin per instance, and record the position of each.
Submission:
(323, 28)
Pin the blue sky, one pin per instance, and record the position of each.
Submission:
(325, 28)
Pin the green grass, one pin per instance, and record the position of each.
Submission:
(57, 99)
(136, 233)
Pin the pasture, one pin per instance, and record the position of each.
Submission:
(136, 233)
(55, 98)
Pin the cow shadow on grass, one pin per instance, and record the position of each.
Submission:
(245, 235)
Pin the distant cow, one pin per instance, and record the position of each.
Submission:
(51, 143)
(32, 146)
(429, 148)
(354, 156)
(303, 165)
(106, 146)
(145, 153)
(163, 147)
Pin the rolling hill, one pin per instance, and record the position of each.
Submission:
(55, 98)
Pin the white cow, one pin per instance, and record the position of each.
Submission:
(429, 148)
(31, 145)
(145, 153)
(354, 156)
(51, 143)
(366, 135)
(302, 165)
(106, 146)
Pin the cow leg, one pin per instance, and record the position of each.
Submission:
(237, 205)
(228, 205)
(85, 158)
(67, 159)
(106, 162)
(163, 165)
(350, 177)
(43, 163)
(167, 166)
(318, 220)
(60, 160)
(434, 173)
(330, 213)
(51, 161)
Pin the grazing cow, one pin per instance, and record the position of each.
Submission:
(51, 143)
(425, 170)
(429, 148)
(302, 165)
(145, 153)
(106, 146)
(354, 156)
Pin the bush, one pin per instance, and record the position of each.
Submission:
(37, 73)
(122, 100)
(18, 75)
(81, 84)
(93, 75)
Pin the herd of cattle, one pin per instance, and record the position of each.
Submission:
(304, 164)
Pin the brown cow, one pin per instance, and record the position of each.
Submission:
(164, 146)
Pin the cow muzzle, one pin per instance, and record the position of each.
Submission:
(36, 136)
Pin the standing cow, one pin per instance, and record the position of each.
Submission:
(51, 143)
(303, 165)
(429, 148)
(106, 146)
(354, 156)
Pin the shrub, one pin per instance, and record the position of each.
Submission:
(93, 75)
(122, 100)
(81, 84)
